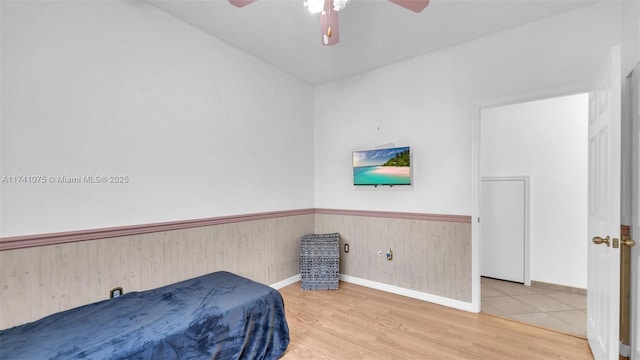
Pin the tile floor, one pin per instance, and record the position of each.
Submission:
(558, 310)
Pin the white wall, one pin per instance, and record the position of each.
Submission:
(121, 88)
(427, 103)
(630, 31)
(546, 140)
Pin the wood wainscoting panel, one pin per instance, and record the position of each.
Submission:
(38, 281)
(433, 257)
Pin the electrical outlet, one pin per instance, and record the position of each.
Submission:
(115, 292)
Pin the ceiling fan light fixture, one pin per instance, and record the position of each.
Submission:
(329, 13)
(329, 26)
(314, 6)
(340, 4)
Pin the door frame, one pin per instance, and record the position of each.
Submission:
(477, 108)
(635, 214)
(628, 199)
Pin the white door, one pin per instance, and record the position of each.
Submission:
(503, 229)
(603, 260)
(635, 230)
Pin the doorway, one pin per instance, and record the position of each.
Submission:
(546, 142)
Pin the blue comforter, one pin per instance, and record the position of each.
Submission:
(215, 316)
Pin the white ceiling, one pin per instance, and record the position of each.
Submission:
(373, 33)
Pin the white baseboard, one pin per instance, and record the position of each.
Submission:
(456, 304)
(286, 282)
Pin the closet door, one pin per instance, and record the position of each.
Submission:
(502, 219)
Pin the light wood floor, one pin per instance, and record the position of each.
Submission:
(356, 322)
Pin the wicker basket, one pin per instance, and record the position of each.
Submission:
(320, 261)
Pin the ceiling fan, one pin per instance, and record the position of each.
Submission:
(328, 10)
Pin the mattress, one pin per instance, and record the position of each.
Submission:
(215, 316)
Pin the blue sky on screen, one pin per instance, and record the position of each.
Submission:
(374, 157)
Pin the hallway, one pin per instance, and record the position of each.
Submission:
(564, 311)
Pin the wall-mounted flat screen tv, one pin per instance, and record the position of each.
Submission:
(390, 166)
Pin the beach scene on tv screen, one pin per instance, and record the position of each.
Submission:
(382, 167)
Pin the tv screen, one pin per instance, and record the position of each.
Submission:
(390, 166)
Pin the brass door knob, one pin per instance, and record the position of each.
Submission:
(627, 241)
(598, 240)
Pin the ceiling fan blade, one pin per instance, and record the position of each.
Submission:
(329, 24)
(241, 3)
(413, 5)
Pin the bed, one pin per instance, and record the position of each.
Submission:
(215, 316)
